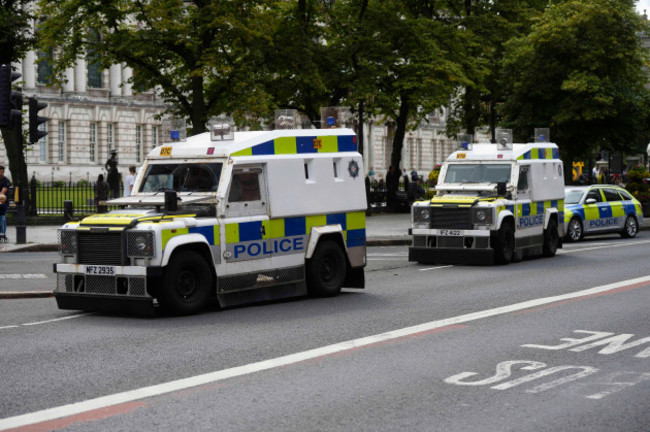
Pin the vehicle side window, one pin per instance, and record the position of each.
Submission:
(611, 195)
(245, 187)
(595, 194)
(522, 183)
(625, 195)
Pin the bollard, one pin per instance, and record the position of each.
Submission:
(68, 210)
(21, 229)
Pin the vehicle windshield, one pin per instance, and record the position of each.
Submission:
(182, 177)
(478, 173)
(573, 196)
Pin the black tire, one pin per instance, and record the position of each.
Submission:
(575, 231)
(186, 284)
(504, 248)
(326, 270)
(551, 239)
(630, 228)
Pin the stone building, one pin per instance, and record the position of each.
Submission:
(93, 112)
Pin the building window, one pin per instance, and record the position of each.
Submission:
(61, 142)
(138, 143)
(92, 156)
(109, 139)
(94, 68)
(44, 71)
(94, 74)
(42, 144)
(154, 137)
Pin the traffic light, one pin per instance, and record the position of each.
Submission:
(34, 120)
(11, 102)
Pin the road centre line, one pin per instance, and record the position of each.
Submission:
(23, 276)
(78, 315)
(57, 319)
(609, 245)
(435, 268)
(113, 400)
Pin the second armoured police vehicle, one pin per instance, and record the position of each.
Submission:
(493, 203)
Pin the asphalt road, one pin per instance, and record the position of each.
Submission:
(545, 344)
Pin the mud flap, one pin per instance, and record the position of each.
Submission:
(355, 278)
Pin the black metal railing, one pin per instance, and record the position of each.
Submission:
(50, 198)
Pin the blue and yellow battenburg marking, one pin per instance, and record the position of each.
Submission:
(540, 153)
(252, 240)
(532, 214)
(302, 145)
(210, 232)
(602, 214)
(258, 239)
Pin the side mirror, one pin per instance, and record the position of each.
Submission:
(501, 188)
(590, 201)
(171, 201)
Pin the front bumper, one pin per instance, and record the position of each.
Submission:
(127, 289)
(102, 303)
(435, 246)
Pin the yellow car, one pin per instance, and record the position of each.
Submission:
(598, 209)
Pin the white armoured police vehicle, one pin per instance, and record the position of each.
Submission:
(493, 203)
(241, 217)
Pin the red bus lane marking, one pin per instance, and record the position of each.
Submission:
(84, 417)
(118, 399)
(588, 296)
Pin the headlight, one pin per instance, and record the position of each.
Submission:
(421, 215)
(482, 215)
(140, 244)
(67, 242)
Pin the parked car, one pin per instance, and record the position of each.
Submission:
(598, 209)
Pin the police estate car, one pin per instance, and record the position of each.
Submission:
(600, 209)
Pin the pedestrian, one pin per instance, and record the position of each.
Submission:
(4, 204)
(101, 194)
(129, 181)
(414, 174)
(415, 190)
(601, 176)
(392, 183)
(113, 177)
(4, 181)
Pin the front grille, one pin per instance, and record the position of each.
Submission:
(101, 285)
(450, 241)
(451, 218)
(100, 248)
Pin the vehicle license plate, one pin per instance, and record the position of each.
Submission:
(450, 232)
(100, 270)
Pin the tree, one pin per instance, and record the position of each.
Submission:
(205, 57)
(15, 39)
(492, 22)
(427, 55)
(580, 72)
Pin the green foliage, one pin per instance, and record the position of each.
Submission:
(580, 72)
(15, 30)
(432, 179)
(205, 57)
(636, 185)
(637, 173)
